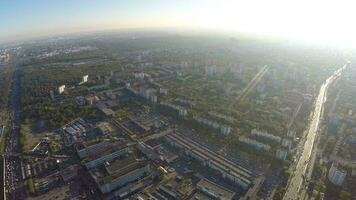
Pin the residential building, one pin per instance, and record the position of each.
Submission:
(61, 89)
(336, 175)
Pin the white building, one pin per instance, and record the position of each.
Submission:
(223, 129)
(61, 89)
(85, 78)
(336, 175)
(183, 112)
(265, 134)
(139, 75)
(257, 145)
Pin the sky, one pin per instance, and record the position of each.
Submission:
(328, 21)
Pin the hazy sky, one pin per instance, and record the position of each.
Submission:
(331, 21)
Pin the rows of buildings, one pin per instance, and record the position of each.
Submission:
(228, 169)
(223, 129)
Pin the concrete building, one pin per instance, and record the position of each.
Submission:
(281, 154)
(223, 129)
(111, 175)
(292, 134)
(266, 135)
(336, 175)
(106, 156)
(214, 191)
(228, 169)
(84, 79)
(157, 153)
(153, 99)
(287, 143)
(163, 91)
(75, 131)
(92, 150)
(61, 89)
(255, 144)
(181, 110)
(139, 75)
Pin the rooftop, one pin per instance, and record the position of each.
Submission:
(112, 170)
(213, 189)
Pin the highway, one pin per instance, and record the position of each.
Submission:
(304, 162)
(14, 184)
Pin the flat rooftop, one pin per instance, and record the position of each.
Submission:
(108, 172)
(206, 186)
(227, 165)
(109, 149)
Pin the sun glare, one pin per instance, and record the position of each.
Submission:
(318, 20)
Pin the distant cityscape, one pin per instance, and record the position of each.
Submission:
(163, 117)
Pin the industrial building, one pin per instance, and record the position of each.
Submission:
(112, 174)
(75, 130)
(157, 153)
(85, 151)
(109, 155)
(210, 190)
(227, 168)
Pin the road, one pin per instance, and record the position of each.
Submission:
(298, 177)
(13, 178)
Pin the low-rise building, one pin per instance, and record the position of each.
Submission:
(75, 131)
(112, 175)
(228, 169)
(214, 191)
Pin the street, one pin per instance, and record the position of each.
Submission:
(13, 180)
(301, 171)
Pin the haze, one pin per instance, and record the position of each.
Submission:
(322, 21)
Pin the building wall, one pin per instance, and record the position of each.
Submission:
(107, 158)
(124, 179)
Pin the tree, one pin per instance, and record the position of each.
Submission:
(344, 195)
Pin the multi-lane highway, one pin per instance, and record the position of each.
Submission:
(305, 162)
(14, 184)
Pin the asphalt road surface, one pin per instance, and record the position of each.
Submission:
(297, 178)
(13, 178)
